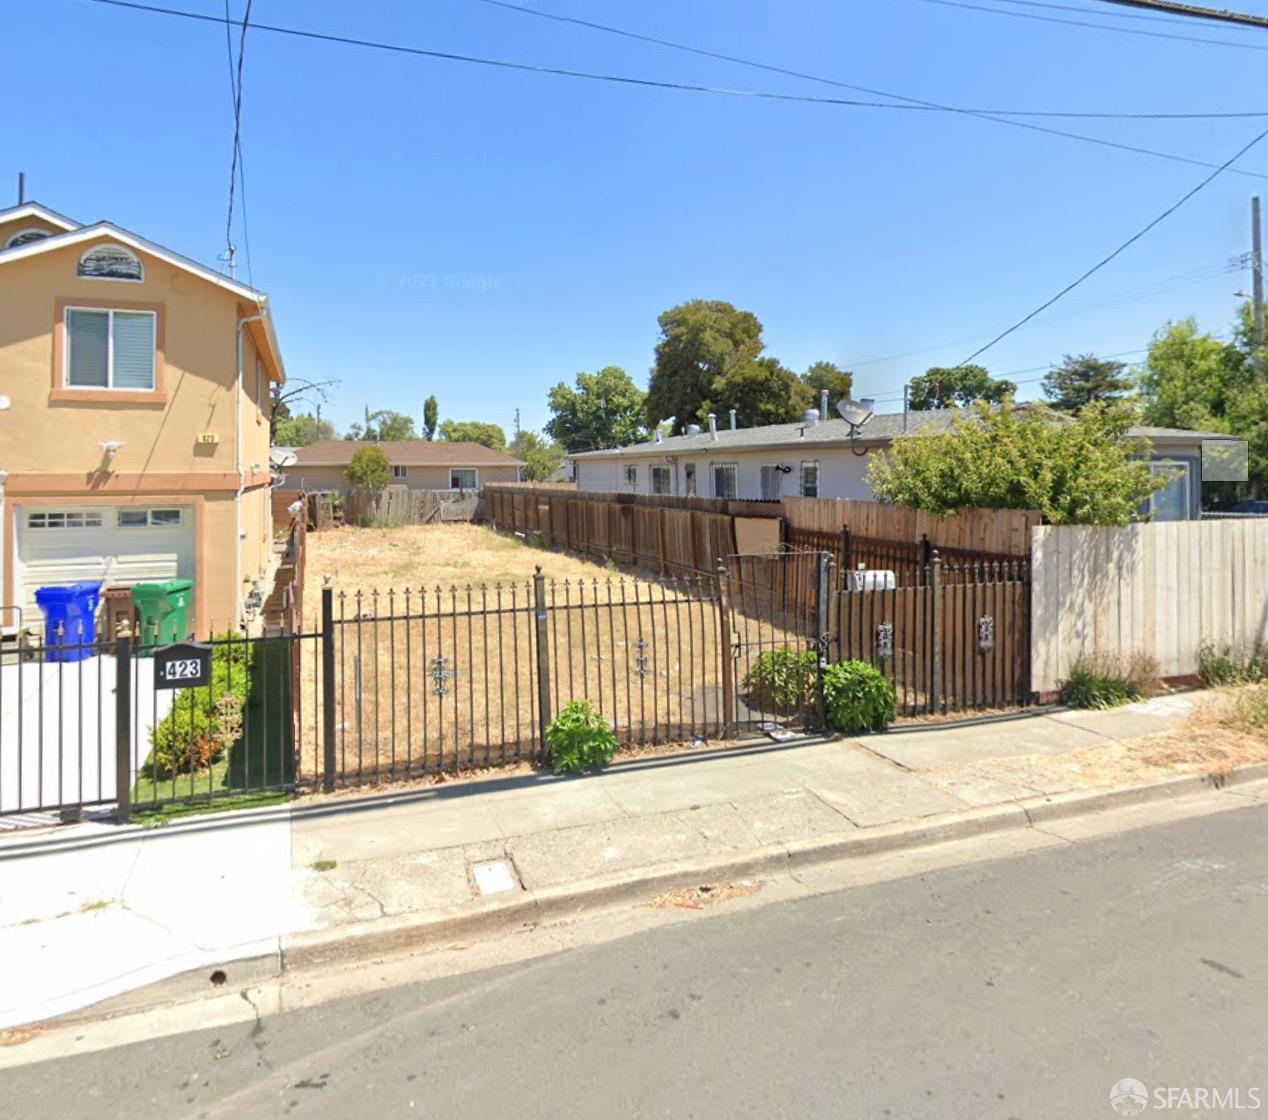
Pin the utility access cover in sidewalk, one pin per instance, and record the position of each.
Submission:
(494, 877)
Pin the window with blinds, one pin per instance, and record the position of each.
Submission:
(772, 482)
(724, 480)
(110, 349)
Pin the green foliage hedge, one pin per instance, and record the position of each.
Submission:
(204, 722)
(782, 681)
(1108, 682)
(579, 739)
(857, 697)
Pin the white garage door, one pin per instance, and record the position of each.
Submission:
(114, 544)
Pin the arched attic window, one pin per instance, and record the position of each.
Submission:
(111, 262)
(25, 236)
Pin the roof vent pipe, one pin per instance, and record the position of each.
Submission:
(823, 403)
(811, 417)
(693, 429)
(656, 437)
(713, 425)
(732, 419)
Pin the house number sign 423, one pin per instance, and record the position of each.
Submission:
(184, 665)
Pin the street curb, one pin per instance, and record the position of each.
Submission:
(383, 937)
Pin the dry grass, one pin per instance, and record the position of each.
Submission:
(647, 653)
(707, 894)
(424, 557)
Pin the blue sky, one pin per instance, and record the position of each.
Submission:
(426, 226)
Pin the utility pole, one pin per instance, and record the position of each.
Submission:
(1257, 278)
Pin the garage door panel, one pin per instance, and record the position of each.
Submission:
(109, 553)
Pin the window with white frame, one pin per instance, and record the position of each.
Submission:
(111, 262)
(400, 472)
(772, 482)
(25, 237)
(724, 485)
(108, 349)
(1171, 502)
(662, 480)
(810, 480)
(462, 478)
(148, 518)
(631, 477)
(65, 519)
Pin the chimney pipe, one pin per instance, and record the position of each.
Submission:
(713, 425)
(732, 419)
(21, 187)
(823, 404)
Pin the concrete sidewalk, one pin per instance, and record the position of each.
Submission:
(94, 910)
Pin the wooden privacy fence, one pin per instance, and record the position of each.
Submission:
(1164, 590)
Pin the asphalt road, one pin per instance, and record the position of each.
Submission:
(1023, 987)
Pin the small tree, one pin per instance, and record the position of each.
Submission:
(1074, 472)
(540, 458)
(369, 470)
(431, 417)
(1077, 382)
(957, 387)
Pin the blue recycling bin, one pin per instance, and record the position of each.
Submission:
(70, 616)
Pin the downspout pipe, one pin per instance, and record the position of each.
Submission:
(238, 466)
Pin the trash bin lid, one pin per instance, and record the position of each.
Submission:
(51, 596)
(176, 585)
(87, 587)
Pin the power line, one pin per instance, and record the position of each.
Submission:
(235, 98)
(680, 86)
(979, 113)
(1096, 26)
(1121, 248)
(237, 128)
(1196, 11)
(1169, 21)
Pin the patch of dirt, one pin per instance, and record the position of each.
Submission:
(707, 894)
(18, 1035)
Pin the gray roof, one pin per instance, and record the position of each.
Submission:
(880, 429)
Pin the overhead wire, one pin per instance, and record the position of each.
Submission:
(668, 85)
(236, 171)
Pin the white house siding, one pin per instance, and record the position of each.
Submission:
(430, 477)
(841, 474)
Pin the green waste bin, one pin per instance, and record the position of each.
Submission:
(164, 611)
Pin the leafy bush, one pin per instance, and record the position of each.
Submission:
(369, 469)
(782, 680)
(580, 739)
(204, 722)
(1218, 667)
(857, 697)
(1098, 682)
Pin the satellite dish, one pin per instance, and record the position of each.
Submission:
(855, 413)
(282, 459)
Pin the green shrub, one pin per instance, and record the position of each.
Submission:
(204, 722)
(1219, 667)
(1099, 682)
(857, 697)
(782, 680)
(579, 738)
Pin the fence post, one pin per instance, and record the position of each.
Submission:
(328, 688)
(935, 628)
(123, 727)
(847, 564)
(543, 656)
(724, 639)
(926, 552)
(823, 604)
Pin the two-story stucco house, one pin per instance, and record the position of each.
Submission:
(134, 435)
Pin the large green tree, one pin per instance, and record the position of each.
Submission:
(384, 425)
(431, 417)
(957, 387)
(827, 375)
(599, 410)
(761, 391)
(1191, 379)
(541, 458)
(1078, 381)
(301, 430)
(474, 431)
(701, 343)
(1082, 471)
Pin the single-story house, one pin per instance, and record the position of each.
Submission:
(420, 464)
(817, 458)
(134, 435)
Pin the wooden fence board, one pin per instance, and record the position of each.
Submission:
(1163, 590)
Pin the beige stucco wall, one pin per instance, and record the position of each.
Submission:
(49, 444)
(419, 478)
